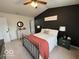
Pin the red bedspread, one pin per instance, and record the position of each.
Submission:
(41, 44)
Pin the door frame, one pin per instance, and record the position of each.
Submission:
(6, 32)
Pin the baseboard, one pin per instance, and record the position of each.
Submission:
(75, 46)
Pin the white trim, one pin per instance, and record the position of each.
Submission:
(75, 46)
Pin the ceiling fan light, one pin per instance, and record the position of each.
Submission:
(34, 4)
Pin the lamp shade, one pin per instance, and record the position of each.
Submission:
(38, 26)
(62, 28)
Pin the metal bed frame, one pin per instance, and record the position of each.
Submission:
(32, 49)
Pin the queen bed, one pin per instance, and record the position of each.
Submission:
(48, 36)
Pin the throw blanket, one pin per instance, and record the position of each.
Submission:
(41, 44)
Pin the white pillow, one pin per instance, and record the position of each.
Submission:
(51, 32)
(43, 30)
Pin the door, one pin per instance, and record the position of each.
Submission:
(32, 28)
(4, 29)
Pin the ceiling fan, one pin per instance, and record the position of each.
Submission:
(34, 3)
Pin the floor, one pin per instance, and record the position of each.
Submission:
(15, 50)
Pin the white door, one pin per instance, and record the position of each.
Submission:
(4, 29)
(32, 28)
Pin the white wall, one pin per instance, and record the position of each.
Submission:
(12, 20)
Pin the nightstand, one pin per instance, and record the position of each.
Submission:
(64, 41)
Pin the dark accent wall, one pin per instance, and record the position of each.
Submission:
(67, 16)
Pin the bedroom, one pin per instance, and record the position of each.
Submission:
(66, 13)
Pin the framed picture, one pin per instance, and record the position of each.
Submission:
(51, 18)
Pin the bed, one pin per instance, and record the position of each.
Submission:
(49, 35)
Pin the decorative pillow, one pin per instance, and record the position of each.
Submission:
(46, 32)
(52, 32)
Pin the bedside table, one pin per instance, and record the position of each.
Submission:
(65, 42)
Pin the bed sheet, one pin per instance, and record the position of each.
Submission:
(52, 41)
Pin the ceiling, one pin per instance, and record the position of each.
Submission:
(17, 7)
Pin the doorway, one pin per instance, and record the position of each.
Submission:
(4, 30)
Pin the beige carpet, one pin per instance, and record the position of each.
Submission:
(17, 51)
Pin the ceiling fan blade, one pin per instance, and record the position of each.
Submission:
(42, 2)
(27, 3)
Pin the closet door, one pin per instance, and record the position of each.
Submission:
(4, 29)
